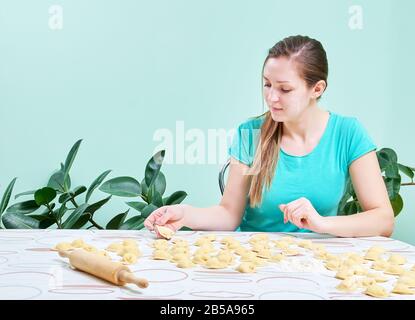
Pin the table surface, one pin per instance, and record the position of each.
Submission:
(29, 269)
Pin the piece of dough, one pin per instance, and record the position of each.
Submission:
(395, 270)
(165, 232)
(290, 252)
(344, 273)
(306, 244)
(78, 243)
(378, 277)
(64, 246)
(277, 257)
(333, 265)
(347, 285)
(380, 265)
(160, 244)
(129, 258)
(397, 259)
(406, 280)
(214, 263)
(130, 243)
(376, 291)
(265, 253)
(248, 256)
(246, 267)
(115, 247)
(401, 288)
(367, 282)
(161, 255)
(185, 263)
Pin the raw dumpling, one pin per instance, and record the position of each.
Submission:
(246, 267)
(129, 258)
(64, 246)
(397, 259)
(185, 263)
(402, 288)
(347, 285)
(165, 232)
(161, 255)
(377, 291)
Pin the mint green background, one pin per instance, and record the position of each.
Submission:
(120, 70)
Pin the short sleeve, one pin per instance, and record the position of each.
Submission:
(243, 144)
(360, 142)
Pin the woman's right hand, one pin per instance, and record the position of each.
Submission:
(168, 216)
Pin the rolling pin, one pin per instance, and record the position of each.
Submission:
(103, 268)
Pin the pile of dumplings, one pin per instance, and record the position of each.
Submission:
(128, 249)
(231, 253)
(365, 272)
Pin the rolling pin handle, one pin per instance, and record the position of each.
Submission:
(128, 277)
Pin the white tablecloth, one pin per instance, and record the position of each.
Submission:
(30, 270)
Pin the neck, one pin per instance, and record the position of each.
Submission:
(310, 123)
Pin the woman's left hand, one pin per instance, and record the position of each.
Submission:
(301, 213)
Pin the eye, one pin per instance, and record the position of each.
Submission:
(285, 90)
(267, 85)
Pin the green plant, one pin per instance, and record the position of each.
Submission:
(62, 206)
(388, 161)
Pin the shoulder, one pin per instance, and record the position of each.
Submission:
(347, 126)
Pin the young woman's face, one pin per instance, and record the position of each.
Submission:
(285, 92)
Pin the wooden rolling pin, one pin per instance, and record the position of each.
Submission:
(102, 267)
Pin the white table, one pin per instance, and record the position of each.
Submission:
(30, 270)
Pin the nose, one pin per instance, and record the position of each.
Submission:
(273, 95)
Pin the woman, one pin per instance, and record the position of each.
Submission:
(292, 162)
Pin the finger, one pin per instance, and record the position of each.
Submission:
(168, 215)
(298, 215)
(282, 209)
(151, 219)
(294, 204)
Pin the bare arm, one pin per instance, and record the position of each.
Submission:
(225, 216)
(377, 218)
(228, 214)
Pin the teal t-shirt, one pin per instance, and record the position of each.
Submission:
(319, 176)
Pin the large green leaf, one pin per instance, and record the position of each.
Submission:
(139, 206)
(407, 171)
(117, 221)
(95, 184)
(153, 167)
(148, 210)
(70, 158)
(6, 196)
(157, 199)
(60, 212)
(26, 193)
(56, 181)
(122, 187)
(74, 216)
(144, 187)
(24, 207)
(135, 223)
(45, 220)
(392, 170)
(176, 198)
(16, 220)
(160, 183)
(393, 186)
(95, 206)
(44, 196)
(81, 221)
(397, 204)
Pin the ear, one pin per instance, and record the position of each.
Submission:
(319, 88)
